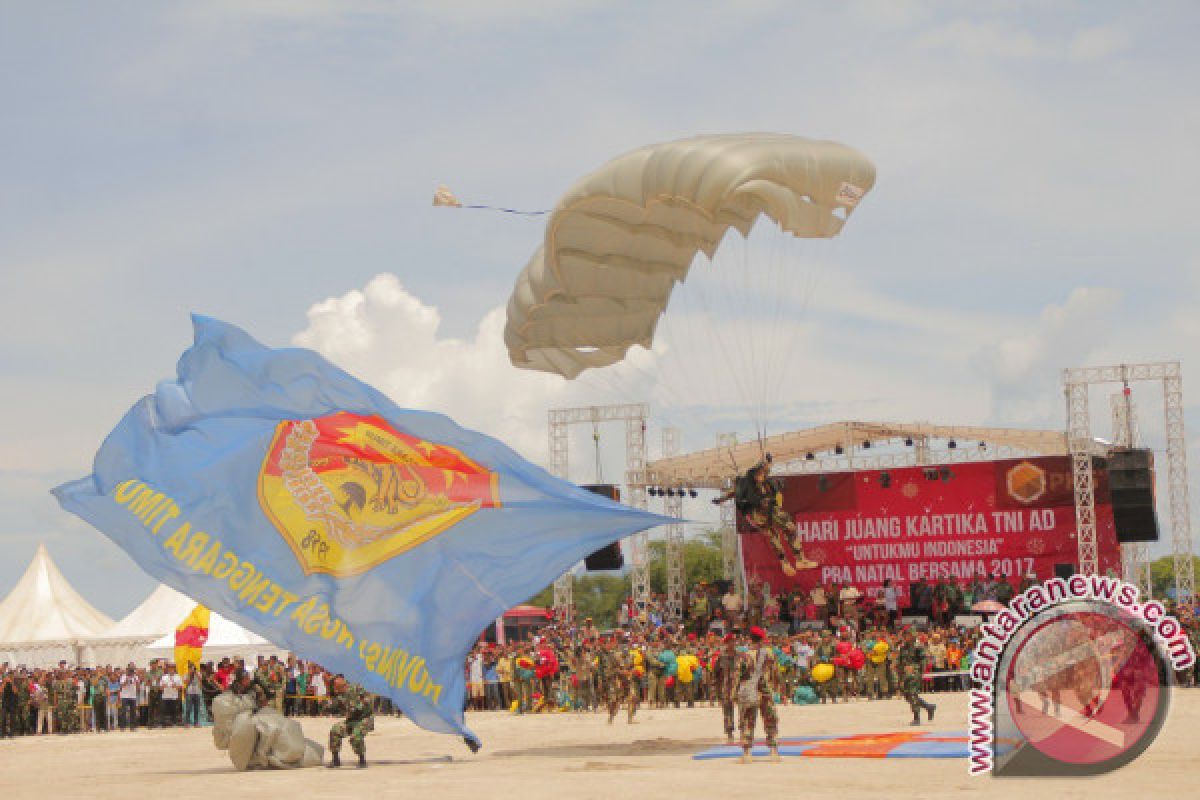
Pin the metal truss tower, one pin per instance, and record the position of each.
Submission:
(634, 415)
(730, 556)
(673, 507)
(1076, 382)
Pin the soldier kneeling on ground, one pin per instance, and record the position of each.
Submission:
(359, 721)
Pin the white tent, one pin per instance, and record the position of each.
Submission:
(43, 619)
(225, 639)
(127, 641)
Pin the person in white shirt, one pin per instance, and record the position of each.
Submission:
(802, 653)
(172, 686)
(890, 602)
(39, 696)
(130, 683)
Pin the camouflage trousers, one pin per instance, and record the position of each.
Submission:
(828, 689)
(770, 718)
(876, 678)
(618, 694)
(779, 528)
(728, 715)
(916, 703)
(357, 733)
(66, 718)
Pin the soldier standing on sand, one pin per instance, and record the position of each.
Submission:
(756, 672)
(358, 723)
(725, 680)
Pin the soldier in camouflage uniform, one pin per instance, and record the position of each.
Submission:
(824, 653)
(725, 678)
(608, 669)
(24, 726)
(875, 679)
(62, 695)
(756, 675)
(276, 680)
(656, 676)
(358, 723)
(631, 686)
(910, 686)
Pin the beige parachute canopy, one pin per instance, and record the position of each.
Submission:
(621, 238)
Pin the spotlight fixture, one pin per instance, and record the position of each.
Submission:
(951, 444)
(867, 444)
(983, 445)
(809, 456)
(838, 450)
(908, 442)
(670, 492)
(693, 493)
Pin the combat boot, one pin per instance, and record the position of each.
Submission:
(929, 709)
(916, 720)
(336, 762)
(362, 761)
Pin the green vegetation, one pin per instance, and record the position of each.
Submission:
(598, 595)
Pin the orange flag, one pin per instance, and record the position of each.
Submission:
(190, 637)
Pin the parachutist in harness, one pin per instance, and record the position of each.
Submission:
(757, 498)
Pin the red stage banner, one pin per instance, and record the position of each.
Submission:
(1014, 518)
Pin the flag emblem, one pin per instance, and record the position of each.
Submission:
(349, 491)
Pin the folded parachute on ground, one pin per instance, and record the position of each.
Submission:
(621, 238)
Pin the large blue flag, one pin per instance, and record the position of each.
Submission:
(378, 541)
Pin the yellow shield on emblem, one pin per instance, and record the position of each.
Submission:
(349, 491)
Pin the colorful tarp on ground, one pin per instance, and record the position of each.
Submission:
(290, 497)
(899, 744)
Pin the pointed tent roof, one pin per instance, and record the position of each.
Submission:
(161, 612)
(43, 606)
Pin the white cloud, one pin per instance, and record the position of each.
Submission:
(1025, 368)
(386, 336)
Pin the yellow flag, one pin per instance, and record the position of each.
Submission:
(190, 637)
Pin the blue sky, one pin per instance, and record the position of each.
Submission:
(264, 162)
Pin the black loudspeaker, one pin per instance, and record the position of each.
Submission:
(1131, 485)
(1064, 571)
(611, 557)
(606, 558)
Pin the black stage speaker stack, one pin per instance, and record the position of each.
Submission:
(606, 558)
(1131, 485)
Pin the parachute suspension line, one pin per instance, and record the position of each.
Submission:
(510, 210)
(813, 280)
(701, 358)
(444, 198)
(734, 361)
(785, 278)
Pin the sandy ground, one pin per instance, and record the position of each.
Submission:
(575, 756)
